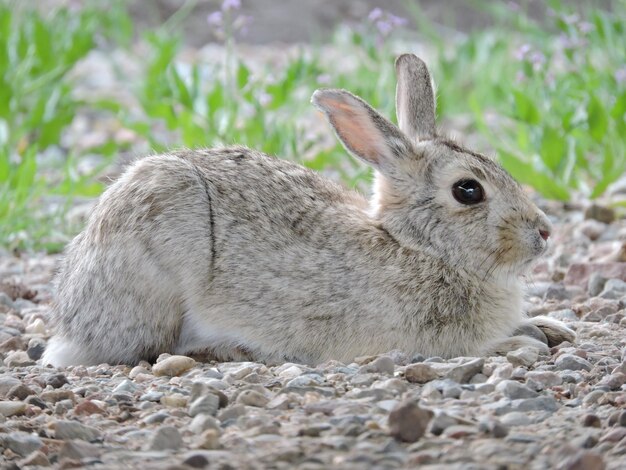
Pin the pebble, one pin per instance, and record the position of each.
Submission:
(408, 422)
(613, 289)
(18, 359)
(252, 398)
(583, 460)
(566, 314)
(600, 213)
(524, 357)
(572, 362)
(75, 430)
(591, 421)
(166, 438)
(79, 450)
(462, 373)
(56, 380)
(173, 366)
(541, 403)
(21, 443)
(382, 365)
(542, 380)
(207, 404)
(514, 390)
(12, 408)
(420, 373)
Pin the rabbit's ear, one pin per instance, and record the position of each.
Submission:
(415, 100)
(364, 132)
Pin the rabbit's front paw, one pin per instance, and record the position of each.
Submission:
(500, 348)
(556, 332)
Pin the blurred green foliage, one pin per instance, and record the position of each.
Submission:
(549, 97)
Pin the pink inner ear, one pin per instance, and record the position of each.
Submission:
(356, 129)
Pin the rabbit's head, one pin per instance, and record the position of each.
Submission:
(429, 192)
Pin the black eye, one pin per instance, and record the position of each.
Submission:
(468, 192)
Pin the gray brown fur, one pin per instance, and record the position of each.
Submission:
(247, 256)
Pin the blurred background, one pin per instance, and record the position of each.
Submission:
(87, 87)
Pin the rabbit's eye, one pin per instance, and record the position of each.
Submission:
(468, 192)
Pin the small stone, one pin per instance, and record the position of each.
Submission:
(420, 373)
(381, 365)
(572, 362)
(209, 439)
(56, 380)
(440, 422)
(614, 381)
(252, 398)
(207, 404)
(125, 386)
(613, 289)
(36, 347)
(202, 422)
(290, 372)
(79, 450)
(6, 301)
(175, 400)
(37, 327)
(196, 461)
(495, 428)
(541, 380)
(306, 380)
(600, 213)
(593, 397)
(53, 396)
(618, 418)
(280, 402)
(566, 314)
(75, 430)
(583, 460)
(462, 373)
(22, 443)
(614, 436)
(540, 403)
(36, 458)
(88, 407)
(7, 382)
(21, 392)
(166, 438)
(459, 431)
(591, 421)
(557, 292)
(152, 395)
(12, 408)
(596, 284)
(135, 371)
(232, 412)
(18, 359)
(173, 366)
(408, 422)
(524, 357)
(514, 390)
(579, 273)
(516, 418)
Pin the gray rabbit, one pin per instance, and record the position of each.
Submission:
(243, 256)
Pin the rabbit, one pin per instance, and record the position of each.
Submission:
(244, 256)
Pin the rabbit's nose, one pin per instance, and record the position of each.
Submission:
(545, 234)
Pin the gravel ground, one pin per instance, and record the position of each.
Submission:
(566, 410)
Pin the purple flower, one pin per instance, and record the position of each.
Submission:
(385, 22)
(215, 19)
(228, 5)
(375, 14)
(520, 52)
(585, 27)
(537, 59)
(620, 75)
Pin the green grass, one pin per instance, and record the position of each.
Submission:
(556, 92)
